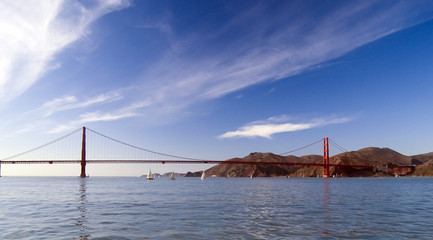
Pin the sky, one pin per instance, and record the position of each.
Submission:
(215, 79)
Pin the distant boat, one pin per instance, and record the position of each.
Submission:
(251, 176)
(172, 176)
(149, 175)
(203, 176)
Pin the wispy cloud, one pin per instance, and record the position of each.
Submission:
(47, 115)
(161, 25)
(259, 48)
(31, 38)
(268, 127)
(100, 116)
(204, 62)
(71, 102)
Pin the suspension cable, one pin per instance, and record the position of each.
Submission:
(338, 146)
(42, 146)
(146, 150)
(301, 147)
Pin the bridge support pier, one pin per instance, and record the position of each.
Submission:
(325, 158)
(83, 155)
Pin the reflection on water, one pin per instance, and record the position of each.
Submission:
(326, 193)
(326, 202)
(82, 207)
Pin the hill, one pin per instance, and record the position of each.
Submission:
(422, 158)
(425, 164)
(366, 156)
(246, 170)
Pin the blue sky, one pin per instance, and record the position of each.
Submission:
(215, 79)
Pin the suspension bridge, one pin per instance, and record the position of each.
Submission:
(84, 146)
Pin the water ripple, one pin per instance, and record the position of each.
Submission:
(260, 208)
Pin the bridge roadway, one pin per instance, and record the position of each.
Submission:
(178, 162)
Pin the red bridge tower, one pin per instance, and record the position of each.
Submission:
(83, 154)
(325, 158)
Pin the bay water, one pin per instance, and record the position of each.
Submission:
(216, 208)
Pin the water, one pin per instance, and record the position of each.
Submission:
(243, 208)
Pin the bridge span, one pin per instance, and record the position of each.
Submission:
(157, 158)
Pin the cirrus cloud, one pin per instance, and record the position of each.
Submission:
(266, 130)
(33, 32)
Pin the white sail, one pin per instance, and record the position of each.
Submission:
(203, 176)
(149, 175)
(172, 176)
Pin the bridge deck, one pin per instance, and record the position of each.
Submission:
(177, 162)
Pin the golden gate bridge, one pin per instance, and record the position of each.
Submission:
(84, 146)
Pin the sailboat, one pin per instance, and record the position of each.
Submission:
(172, 176)
(149, 175)
(203, 176)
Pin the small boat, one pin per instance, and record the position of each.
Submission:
(203, 176)
(172, 176)
(149, 175)
(251, 176)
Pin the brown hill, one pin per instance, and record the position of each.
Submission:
(193, 174)
(246, 170)
(428, 163)
(422, 158)
(366, 156)
(372, 156)
(426, 169)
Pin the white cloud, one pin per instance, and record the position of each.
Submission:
(267, 48)
(266, 130)
(161, 25)
(129, 111)
(98, 116)
(91, 117)
(126, 112)
(259, 55)
(71, 102)
(33, 32)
